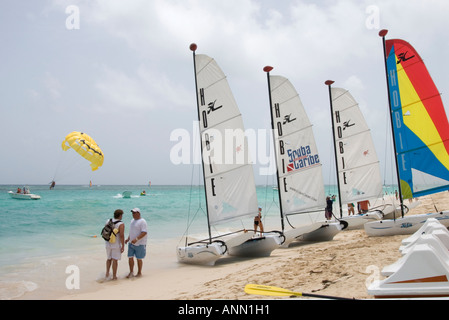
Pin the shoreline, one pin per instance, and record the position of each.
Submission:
(338, 268)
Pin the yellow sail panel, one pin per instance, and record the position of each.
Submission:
(418, 120)
(86, 147)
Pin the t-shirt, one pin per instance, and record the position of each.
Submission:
(117, 243)
(137, 227)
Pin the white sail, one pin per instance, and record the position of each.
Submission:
(358, 165)
(229, 177)
(300, 174)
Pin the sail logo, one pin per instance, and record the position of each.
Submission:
(347, 124)
(287, 119)
(211, 107)
(301, 158)
(402, 57)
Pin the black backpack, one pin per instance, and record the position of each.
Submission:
(108, 229)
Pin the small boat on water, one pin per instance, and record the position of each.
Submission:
(24, 195)
(126, 194)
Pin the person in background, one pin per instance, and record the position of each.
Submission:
(137, 242)
(351, 209)
(328, 210)
(364, 205)
(258, 222)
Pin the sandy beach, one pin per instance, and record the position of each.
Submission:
(339, 268)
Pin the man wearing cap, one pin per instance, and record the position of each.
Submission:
(137, 242)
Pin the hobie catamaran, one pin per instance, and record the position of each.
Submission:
(299, 171)
(420, 135)
(358, 172)
(227, 171)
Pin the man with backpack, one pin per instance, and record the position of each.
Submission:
(114, 235)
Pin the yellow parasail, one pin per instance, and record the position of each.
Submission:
(86, 147)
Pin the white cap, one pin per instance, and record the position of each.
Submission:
(135, 210)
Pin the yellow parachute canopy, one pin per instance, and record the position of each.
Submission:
(86, 147)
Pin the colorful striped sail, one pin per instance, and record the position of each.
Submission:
(420, 124)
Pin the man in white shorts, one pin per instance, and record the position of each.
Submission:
(137, 242)
(114, 250)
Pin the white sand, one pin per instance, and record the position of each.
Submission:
(338, 268)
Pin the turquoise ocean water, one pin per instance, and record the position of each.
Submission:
(40, 238)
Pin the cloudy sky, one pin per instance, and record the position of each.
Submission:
(122, 72)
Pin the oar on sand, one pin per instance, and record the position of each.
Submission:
(280, 292)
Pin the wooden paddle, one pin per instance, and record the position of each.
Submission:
(280, 292)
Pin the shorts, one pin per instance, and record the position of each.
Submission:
(113, 253)
(138, 251)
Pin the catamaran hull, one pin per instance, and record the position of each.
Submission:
(358, 221)
(201, 254)
(327, 232)
(297, 233)
(257, 246)
(422, 272)
(405, 225)
(431, 226)
(22, 196)
(389, 213)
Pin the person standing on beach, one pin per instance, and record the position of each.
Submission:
(137, 242)
(351, 209)
(364, 205)
(328, 210)
(115, 249)
(258, 222)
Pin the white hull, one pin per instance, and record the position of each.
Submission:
(358, 221)
(22, 196)
(422, 271)
(297, 233)
(405, 225)
(208, 254)
(233, 240)
(201, 253)
(389, 213)
(434, 240)
(326, 232)
(257, 246)
(430, 226)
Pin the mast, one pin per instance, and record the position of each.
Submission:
(267, 69)
(329, 84)
(382, 34)
(193, 47)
